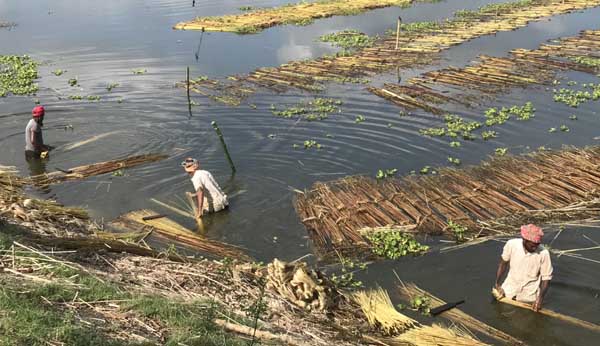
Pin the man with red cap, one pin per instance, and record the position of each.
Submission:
(34, 141)
(530, 268)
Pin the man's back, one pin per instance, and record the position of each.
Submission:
(33, 129)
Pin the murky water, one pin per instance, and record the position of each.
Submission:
(102, 42)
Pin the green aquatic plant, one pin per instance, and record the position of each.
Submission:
(496, 116)
(359, 119)
(312, 144)
(454, 160)
(17, 75)
(421, 304)
(457, 230)
(574, 98)
(572, 117)
(76, 97)
(455, 127)
(564, 128)
(346, 278)
(349, 40)
(500, 151)
(586, 61)
(455, 144)
(73, 82)
(58, 72)
(139, 71)
(317, 109)
(93, 98)
(382, 174)
(552, 129)
(245, 8)
(488, 135)
(425, 170)
(393, 244)
(111, 86)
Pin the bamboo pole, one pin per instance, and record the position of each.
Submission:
(569, 319)
(220, 134)
(188, 90)
(398, 32)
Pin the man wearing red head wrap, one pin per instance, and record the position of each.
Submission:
(34, 141)
(530, 268)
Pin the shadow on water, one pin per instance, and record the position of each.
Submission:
(152, 115)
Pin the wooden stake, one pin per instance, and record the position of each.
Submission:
(188, 91)
(398, 32)
(220, 134)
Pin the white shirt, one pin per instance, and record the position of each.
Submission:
(527, 270)
(205, 181)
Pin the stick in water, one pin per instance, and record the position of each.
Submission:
(188, 91)
(220, 134)
(398, 32)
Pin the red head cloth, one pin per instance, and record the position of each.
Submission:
(38, 111)
(532, 233)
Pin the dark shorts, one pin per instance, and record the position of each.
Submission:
(31, 155)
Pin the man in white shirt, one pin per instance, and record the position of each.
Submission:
(34, 141)
(209, 196)
(530, 268)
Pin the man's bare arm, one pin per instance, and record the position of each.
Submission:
(540, 298)
(502, 266)
(200, 200)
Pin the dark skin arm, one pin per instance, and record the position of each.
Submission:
(200, 200)
(540, 298)
(502, 267)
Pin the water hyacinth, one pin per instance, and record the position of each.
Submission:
(17, 74)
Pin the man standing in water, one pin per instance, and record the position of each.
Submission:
(34, 141)
(209, 196)
(530, 269)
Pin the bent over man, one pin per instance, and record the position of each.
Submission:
(530, 268)
(208, 194)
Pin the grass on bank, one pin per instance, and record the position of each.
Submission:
(33, 313)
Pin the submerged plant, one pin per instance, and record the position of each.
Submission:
(139, 71)
(311, 144)
(17, 74)
(111, 86)
(72, 81)
(393, 244)
(454, 160)
(58, 72)
(359, 119)
(489, 134)
(564, 128)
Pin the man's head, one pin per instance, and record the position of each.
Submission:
(38, 113)
(532, 237)
(190, 165)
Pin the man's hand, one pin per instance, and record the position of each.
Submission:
(500, 292)
(537, 305)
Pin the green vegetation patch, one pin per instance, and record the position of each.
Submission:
(17, 74)
(587, 61)
(349, 41)
(317, 109)
(573, 98)
(455, 127)
(394, 244)
(496, 116)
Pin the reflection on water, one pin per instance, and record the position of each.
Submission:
(101, 43)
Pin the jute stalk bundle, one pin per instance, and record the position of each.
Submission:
(86, 171)
(381, 314)
(410, 290)
(170, 229)
(510, 189)
(415, 48)
(492, 75)
(259, 19)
